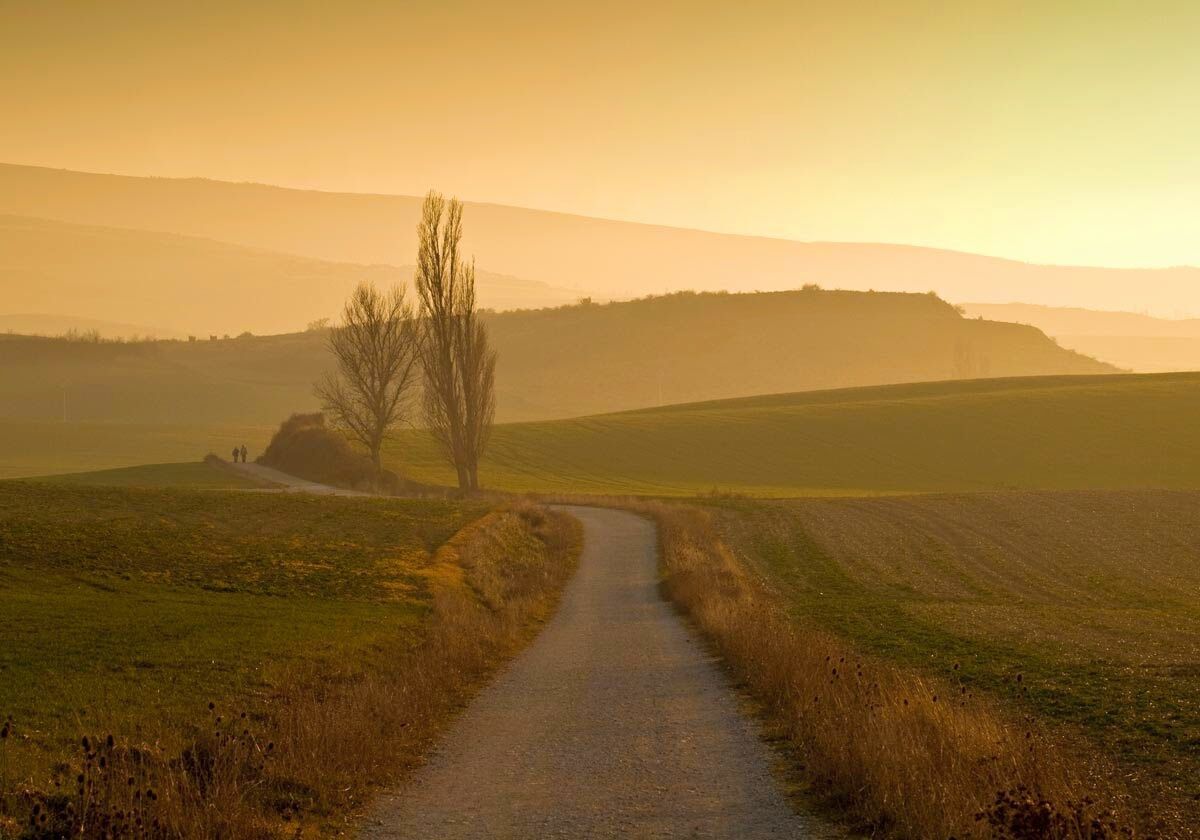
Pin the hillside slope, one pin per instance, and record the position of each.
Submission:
(687, 347)
(1067, 433)
(1091, 432)
(607, 258)
(554, 363)
(187, 284)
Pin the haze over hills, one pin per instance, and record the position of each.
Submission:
(570, 361)
(1129, 340)
(187, 284)
(609, 259)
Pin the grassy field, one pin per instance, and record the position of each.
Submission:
(38, 449)
(193, 474)
(1133, 431)
(1048, 432)
(125, 608)
(1076, 607)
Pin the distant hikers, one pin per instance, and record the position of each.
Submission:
(236, 452)
(243, 453)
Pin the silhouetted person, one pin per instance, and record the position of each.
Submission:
(235, 454)
(243, 453)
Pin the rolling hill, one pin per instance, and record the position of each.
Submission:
(1127, 339)
(1089, 432)
(554, 363)
(688, 347)
(188, 284)
(609, 259)
(1052, 433)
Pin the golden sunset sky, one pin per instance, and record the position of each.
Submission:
(1059, 131)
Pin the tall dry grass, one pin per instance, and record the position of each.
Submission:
(907, 756)
(308, 759)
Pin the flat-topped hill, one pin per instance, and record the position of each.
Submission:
(554, 363)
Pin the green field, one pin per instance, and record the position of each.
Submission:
(193, 474)
(1077, 607)
(29, 448)
(1047, 432)
(1125, 431)
(1043, 528)
(132, 608)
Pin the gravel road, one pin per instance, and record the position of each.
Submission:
(289, 483)
(614, 722)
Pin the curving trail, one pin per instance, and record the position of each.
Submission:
(614, 722)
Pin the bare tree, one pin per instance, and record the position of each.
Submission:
(456, 357)
(376, 348)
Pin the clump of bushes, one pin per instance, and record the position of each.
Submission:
(305, 447)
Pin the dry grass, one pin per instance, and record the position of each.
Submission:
(1086, 594)
(908, 756)
(307, 760)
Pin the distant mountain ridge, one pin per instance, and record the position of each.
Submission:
(187, 284)
(609, 259)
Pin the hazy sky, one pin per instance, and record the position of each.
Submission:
(1054, 131)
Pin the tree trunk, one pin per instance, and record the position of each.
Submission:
(377, 462)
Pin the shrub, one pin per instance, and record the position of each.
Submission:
(304, 446)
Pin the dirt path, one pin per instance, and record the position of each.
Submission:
(290, 483)
(613, 723)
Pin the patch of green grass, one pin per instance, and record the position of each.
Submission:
(1076, 607)
(136, 606)
(1052, 432)
(261, 543)
(84, 650)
